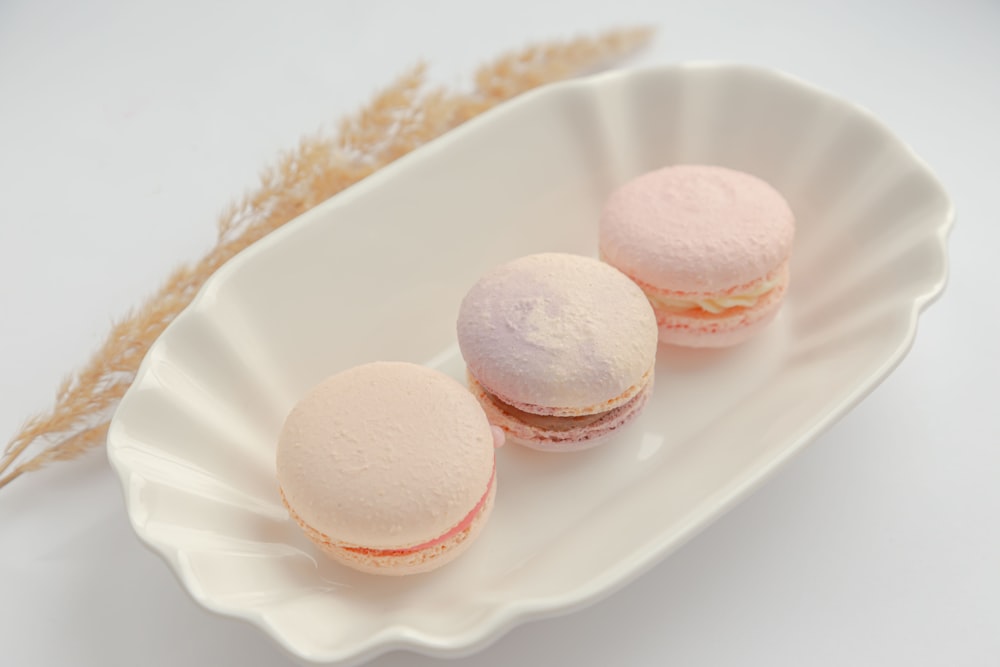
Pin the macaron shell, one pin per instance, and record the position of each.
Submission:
(696, 228)
(385, 455)
(731, 327)
(557, 331)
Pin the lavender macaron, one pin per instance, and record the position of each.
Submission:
(560, 349)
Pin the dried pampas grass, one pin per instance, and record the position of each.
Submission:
(400, 118)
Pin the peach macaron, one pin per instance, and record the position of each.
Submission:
(709, 246)
(389, 467)
(560, 349)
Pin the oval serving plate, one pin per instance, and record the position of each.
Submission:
(378, 272)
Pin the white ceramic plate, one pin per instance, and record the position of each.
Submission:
(378, 272)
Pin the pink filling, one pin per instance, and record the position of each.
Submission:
(458, 528)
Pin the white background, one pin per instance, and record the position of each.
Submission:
(125, 127)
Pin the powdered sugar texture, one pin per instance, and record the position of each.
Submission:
(385, 455)
(557, 330)
(695, 228)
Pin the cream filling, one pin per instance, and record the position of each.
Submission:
(548, 422)
(714, 304)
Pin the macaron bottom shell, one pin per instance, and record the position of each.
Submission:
(399, 562)
(560, 434)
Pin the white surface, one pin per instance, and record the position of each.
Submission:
(124, 129)
(194, 439)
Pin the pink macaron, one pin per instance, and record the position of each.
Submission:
(560, 349)
(709, 246)
(388, 467)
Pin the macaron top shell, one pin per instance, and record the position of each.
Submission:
(557, 330)
(695, 228)
(386, 455)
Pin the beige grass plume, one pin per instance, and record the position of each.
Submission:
(400, 118)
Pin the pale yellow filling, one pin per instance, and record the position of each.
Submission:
(714, 304)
